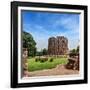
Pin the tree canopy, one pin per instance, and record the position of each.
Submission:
(29, 43)
(45, 51)
(75, 50)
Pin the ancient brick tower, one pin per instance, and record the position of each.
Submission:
(58, 45)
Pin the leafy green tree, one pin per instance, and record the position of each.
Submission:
(44, 51)
(73, 51)
(39, 53)
(77, 49)
(29, 43)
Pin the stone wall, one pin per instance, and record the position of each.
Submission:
(25, 63)
(58, 45)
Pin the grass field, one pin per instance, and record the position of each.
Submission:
(33, 66)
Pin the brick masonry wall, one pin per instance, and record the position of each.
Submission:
(58, 45)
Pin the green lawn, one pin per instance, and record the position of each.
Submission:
(32, 65)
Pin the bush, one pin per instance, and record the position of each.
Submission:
(43, 59)
(51, 60)
(37, 59)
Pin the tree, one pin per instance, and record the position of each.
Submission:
(29, 43)
(44, 51)
(73, 51)
(77, 49)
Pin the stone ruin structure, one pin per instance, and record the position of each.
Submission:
(58, 45)
(73, 61)
(25, 63)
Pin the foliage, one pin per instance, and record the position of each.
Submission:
(44, 51)
(37, 59)
(41, 59)
(29, 43)
(39, 53)
(75, 51)
(51, 60)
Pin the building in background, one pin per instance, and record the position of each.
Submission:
(58, 45)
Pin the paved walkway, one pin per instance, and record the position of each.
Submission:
(59, 70)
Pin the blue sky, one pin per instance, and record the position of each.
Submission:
(43, 25)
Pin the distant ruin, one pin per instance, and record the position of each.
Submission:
(58, 45)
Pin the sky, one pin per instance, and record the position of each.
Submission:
(43, 25)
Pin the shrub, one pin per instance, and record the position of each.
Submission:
(43, 59)
(37, 59)
(51, 60)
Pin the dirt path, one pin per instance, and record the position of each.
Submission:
(59, 70)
